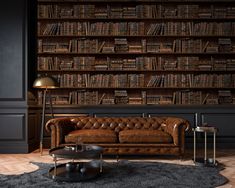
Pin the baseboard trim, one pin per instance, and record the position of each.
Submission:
(14, 148)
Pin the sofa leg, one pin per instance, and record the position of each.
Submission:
(181, 157)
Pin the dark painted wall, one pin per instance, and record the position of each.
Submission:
(15, 134)
(12, 57)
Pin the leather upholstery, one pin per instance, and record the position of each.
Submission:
(169, 140)
(92, 136)
(118, 124)
(144, 136)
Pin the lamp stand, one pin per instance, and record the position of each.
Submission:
(43, 117)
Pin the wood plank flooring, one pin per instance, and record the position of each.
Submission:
(21, 163)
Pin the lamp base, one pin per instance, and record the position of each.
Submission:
(41, 148)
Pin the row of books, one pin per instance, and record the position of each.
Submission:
(83, 97)
(138, 63)
(91, 28)
(189, 97)
(190, 28)
(141, 80)
(191, 80)
(81, 45)
(136, 28)
(135, 11)
(100, 80)
(225, 97)
(178, 97)
(142, 46)
(184, 45)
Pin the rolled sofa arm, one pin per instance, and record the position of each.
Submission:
(176, 127)
(59, 127)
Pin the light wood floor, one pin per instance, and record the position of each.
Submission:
(21, 163)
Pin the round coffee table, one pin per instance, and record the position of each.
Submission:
(76, 171)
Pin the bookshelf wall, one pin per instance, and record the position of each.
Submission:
(138, 52)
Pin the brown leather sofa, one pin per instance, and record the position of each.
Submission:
(126, 135)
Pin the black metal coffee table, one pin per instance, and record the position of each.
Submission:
(76, 171)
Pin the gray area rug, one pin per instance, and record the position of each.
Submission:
(126, 174)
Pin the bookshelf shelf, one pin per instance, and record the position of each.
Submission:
(147, 88)
(175, 52)
(135, 1)
(136, 36)
(136, 19)
(135, 53)
(139, 71)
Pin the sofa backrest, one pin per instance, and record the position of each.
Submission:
(118, 123)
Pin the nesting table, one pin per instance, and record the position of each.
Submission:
(206, 130)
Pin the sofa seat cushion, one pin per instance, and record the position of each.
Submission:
(144, 136)
(92, 136)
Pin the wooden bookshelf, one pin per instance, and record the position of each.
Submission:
(138, 52)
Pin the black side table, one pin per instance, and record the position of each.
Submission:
(205, 161)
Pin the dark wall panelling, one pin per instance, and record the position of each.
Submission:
(118, 114)
(33, 127)
(224, 122)
(12, 127)
(12, 47)
(33, 131)
(72, 110)
(14, 135)
(14, 147)
(48, 116)
(13, 138)
(67, 115)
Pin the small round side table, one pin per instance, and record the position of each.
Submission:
(205, 161)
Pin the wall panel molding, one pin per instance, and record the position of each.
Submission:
(13, 49)
(12, 127)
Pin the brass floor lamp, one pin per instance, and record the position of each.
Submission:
(45, 83)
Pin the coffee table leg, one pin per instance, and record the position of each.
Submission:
(205, 157)
(55, 164)
(101, 165)
(214, 147)
(194, 146)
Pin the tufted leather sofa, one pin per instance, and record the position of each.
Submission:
(126, 135)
